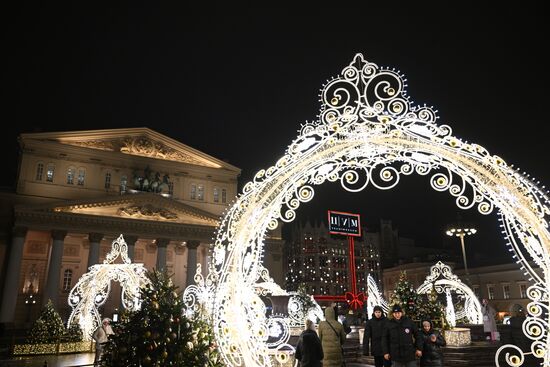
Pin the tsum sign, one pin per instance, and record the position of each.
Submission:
(346, 224)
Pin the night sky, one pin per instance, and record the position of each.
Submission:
(237, 84)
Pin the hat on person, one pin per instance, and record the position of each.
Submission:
(396, 308)
(105, 320)
(377, 308)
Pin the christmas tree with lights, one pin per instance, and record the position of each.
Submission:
(431, 308)
(405, 295)
(48, 328)
(160, 334)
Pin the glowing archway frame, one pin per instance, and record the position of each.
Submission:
(369, 132)
(442, 278)
(93, 288)
(375, 297)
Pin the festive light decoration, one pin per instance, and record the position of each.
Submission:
(369, 132)
(93, 288)
(458, 337)
(375, 298)
(442, 278)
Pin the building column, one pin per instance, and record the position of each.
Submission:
(93, 254)
(161, 253)
(131, 243)
(51, 291)
(11, 285)
(191, 261)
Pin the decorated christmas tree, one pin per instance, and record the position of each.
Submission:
(48, 327)
(160, 334)
(73, 333)
(431, 308)
(405, 295)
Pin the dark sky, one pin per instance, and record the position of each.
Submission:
(237, 83)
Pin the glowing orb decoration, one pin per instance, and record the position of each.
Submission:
(441, 278)
(369, 133)
(93, 288)
(375, 298)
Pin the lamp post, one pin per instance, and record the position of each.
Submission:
(462, 231)
(30, 300)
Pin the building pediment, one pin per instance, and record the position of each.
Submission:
(142, 142)
(141, 206)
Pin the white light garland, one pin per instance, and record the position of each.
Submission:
(375, 297)
(93, 288)
(441, 278)
(369, 133)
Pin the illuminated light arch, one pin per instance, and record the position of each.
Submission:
(93, 288)
(442, 278)
(375, 298)
(369, 132)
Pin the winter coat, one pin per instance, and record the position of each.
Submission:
(373, 334)
(401, 339)
(432, 355)
(489, 323)
(331, 341)
(516, 333)
(309, 351)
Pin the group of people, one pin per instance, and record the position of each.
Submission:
(393, 342)
(398, 342)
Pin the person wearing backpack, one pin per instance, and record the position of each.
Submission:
(332, 336)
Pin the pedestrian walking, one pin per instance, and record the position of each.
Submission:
(432, 341)
(101, 336)
(489, 323)
(309, 350)
(372, 338)
(401, 340)
(332, 336)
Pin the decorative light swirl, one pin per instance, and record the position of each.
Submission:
(93, 288)
(365, 133)
(444, 280)
(513, 359)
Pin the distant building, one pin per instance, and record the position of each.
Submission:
(77, 191)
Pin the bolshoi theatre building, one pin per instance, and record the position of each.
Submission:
(78, 191)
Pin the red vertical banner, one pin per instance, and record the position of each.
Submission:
(349, 225)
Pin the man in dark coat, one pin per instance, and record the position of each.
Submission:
(401, 341)
(432, 355)
(372, 338)
(309, 351)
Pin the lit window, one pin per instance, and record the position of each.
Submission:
(67, 279)
(123, 183)
(70, 176)
(50, 172)
(476, 291)
(170, 188)
(108, 180)
(523, 290)
(216, 195)
(193, 192)
(81, 174)
(506, 290)
(491, 291)
(39, 171)
(224, 196)
(200, 192)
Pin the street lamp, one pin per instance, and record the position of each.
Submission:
(462, 231)
(30, 300)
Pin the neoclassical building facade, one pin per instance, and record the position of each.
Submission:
(78, 191)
